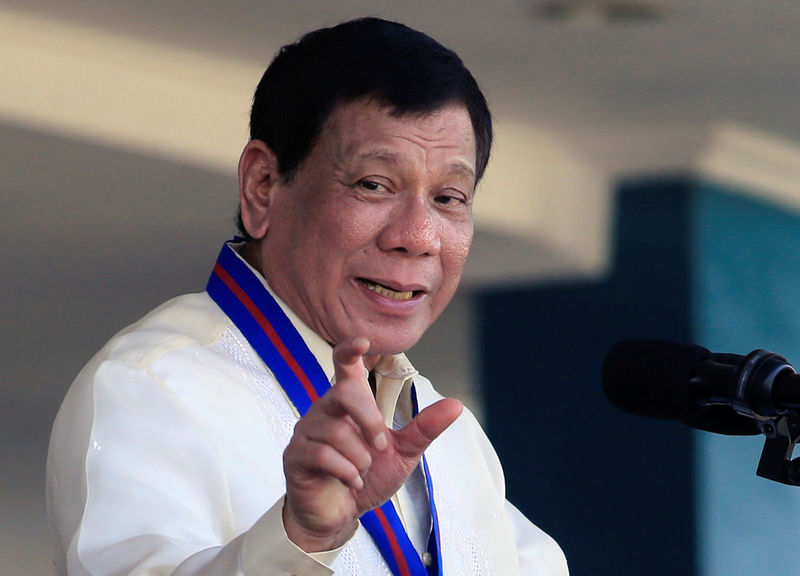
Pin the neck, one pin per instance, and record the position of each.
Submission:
(370, 361)
(252, 256)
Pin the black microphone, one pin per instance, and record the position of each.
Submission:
(722, 393)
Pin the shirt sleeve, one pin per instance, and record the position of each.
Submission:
(538, 552)
(264, 550)
(136, 486)
(267, 545)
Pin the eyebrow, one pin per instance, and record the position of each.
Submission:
(394, 159)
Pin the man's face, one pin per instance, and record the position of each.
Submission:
(371, 235)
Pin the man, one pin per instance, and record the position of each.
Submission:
(207, 438)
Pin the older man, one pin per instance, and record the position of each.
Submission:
(272, 424)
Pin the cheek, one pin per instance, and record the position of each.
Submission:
(357, 228)
(334, 229)
(456, 249)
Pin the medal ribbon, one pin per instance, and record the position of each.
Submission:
(245, 300)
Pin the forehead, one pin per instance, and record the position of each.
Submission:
(365, 127)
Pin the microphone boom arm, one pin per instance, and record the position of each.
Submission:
(754, 397)
(776, 461)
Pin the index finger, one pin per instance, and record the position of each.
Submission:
(348, 363)
(348, 358)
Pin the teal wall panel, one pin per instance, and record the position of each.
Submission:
(626, 495)
(614, 490)
(747, 296)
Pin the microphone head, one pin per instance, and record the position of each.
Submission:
(653, 378)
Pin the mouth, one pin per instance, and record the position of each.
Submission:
(388, 292)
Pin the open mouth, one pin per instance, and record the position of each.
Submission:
(388, 292)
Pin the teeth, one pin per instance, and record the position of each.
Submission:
(388, 292)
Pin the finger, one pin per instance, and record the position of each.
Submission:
(352, 398)
(348, 359)
(343, 436)
(352, 393)
(320, 459)
(417, 435)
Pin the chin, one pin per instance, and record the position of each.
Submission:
(384, 344)
(387, 335)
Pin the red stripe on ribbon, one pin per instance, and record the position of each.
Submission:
(259, 317)
(402, 565)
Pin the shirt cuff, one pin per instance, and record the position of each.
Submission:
(267, 549)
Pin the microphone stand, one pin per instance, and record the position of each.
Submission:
(776, 461)
(754, 396)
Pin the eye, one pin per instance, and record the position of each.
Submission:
(453, 199)
(371, 186)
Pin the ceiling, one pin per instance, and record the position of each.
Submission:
(703, 61)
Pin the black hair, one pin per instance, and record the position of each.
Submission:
(400, 67)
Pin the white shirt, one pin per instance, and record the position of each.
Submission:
(166, 458)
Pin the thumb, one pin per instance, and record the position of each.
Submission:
(417, 435)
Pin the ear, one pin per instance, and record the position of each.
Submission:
(258, 174)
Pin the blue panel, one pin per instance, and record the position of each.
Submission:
(747, 296)
(615, 490)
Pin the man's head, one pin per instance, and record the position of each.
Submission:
(356, 188)
(398, 66)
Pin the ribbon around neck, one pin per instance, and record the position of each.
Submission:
(242, 296)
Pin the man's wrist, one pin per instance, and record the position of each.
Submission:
(312, 541)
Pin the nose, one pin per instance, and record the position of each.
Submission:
(411, 229)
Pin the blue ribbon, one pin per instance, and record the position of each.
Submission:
(245, 300)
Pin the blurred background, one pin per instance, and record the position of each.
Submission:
(645, 181)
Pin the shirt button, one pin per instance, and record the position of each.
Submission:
(427, 559)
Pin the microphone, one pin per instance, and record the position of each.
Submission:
(722, 393)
